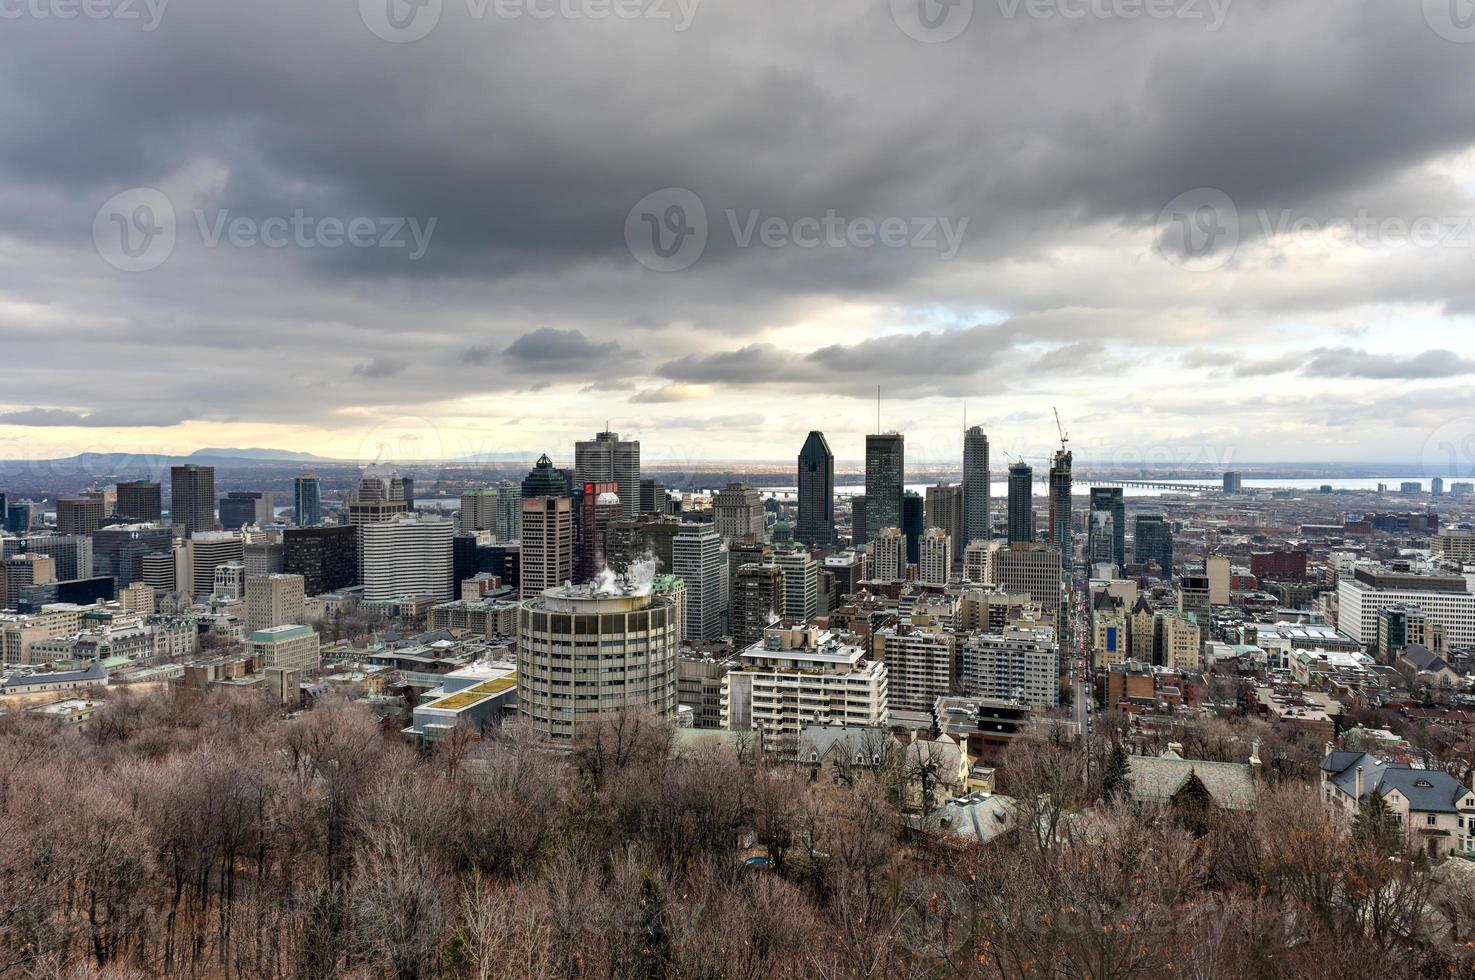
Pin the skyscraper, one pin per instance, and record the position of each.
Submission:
(325, 557)
(140, 501)
(407, 556)
(1061, 529)
(913, 522)
(1152, 540)
(307, 500)
(192, 498)
(241, 507)
(79, 515)
(606, 459)
(816, 492)
(757, 599)
(977, 489)
(888, 553)
(697, 559)
(885, 479)
(1107, 530)
(1021, 503)
(945, 510)
(936, 557)
(547, 543)
(598, 508)
(546, 480)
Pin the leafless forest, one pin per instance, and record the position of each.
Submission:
(202, 835)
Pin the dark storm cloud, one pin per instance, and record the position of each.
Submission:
(528, 141)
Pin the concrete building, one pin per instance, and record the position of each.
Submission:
(801, 583)
(242, 508)
(547, 556)
(936, 554)
(290, 646)
(206, 551)
(697, 559)
(140, 502)
(944, 509)
(584, 653)
(921, 665)
(79, 515)
(1445, 600)
(801, 676)
(408, 556)
(1017, 664)
(737, 511)
(977, 489)
(1032, 569)
(273, 600)
(887, 555)
(757, 600)
(192, 498)
(1179, 640)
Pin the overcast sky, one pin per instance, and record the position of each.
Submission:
(1207, 232)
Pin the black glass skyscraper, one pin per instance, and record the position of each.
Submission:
(1152, 540)
(546, 480)
(816, 523)
(1061, 535)
(1021, 503)
(140, 502)
(885, 480)
(1107, 530)
(977, 489)
(913, 522)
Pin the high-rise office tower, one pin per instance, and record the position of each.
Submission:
(1061, 530)
(607, 459)
(816, 492)
(140, 502)
(737, 510)
(379, 497)
(71, 552)
(1107, 530)
(509, 511)
(479, 509)
(1152, 540)
(697, 559)
(205, 552)
(653, 499)
(598, 508)
(584, 653)
(307, 500)
(242, 507)
(945, 510)
(1234, 482)
(119, 550)
(192, 498)
(79, 515)
(913, 521)
(859, 534)
(547, 480)
(547, 556)
(4, 508)
(407, 556)
(1021, 503)
(273, 600)
(885, 479)
(21, 516)
(325, 557)
(977, 489)
(757, 600)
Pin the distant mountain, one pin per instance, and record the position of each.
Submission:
(265, 455)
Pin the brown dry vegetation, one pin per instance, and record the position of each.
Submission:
(205, 836)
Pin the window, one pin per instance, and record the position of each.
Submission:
(1431, 819)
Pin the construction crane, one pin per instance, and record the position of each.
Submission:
(1064, 436)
